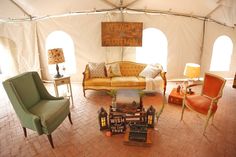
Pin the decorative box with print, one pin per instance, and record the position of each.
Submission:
(117, 123)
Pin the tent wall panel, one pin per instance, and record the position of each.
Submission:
(22, 45)
(184, 40)
(184, 37)
(213, 31)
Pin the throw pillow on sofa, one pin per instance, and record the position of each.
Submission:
(150, 71)
(113, 70)
(97, 70)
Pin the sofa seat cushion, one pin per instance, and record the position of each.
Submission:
(127, 81)
(50, 111)
(98, 82)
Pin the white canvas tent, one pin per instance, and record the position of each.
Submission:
(191, 28)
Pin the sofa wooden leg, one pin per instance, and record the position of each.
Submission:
(50, 140)
(25, 133)
(69, 116)
(84, 93)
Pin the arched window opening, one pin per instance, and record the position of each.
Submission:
(60, 39)
(8, 66)
(221, 55)
(154, 48)
(2, 57)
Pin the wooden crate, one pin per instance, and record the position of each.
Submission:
(139, 116)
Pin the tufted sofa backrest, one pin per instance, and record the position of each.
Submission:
(128, 68)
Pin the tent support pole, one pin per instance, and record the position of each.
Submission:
(122, 19)
(203, 37)
(121, 7)
(178, 14)
(131, 3)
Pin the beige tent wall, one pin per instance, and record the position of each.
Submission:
(213, 31)
(8, 59)
(85, 31)
(184, 37)
(21, 40)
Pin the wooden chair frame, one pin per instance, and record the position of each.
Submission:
(210, 114)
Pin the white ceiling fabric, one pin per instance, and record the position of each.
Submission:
(223, 11)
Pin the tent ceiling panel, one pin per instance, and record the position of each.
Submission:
(8, 10)
(41, 8)
(199, 7)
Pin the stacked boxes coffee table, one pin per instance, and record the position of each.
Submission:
(128, 116)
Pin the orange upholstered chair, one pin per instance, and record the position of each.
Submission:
(206, 102)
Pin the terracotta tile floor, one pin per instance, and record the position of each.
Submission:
(170, 138)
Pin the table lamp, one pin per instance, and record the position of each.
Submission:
(56, 56)
(191, 71)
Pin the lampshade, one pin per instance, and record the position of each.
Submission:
(55, 56)
(192, 70)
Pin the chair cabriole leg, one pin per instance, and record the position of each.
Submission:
(183, 105)
(25, 133)
(209, 115)
(212, 119)
(69, 116)
(182, 113)
(50, 140)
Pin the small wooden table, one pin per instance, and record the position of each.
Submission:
(176, 97)
(63, 81)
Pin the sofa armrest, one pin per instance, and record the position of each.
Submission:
(86, 77)
(86, 73)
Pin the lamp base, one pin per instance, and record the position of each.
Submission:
(190, 91)
(58, 76)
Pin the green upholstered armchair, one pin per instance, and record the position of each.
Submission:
(34, 106)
